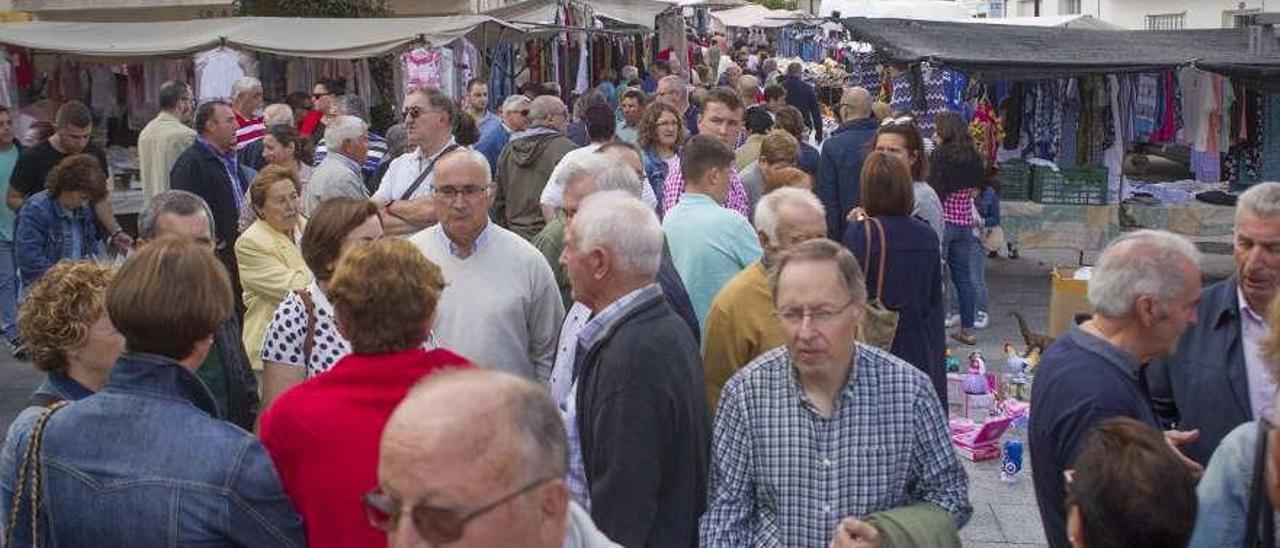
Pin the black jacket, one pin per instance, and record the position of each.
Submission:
(1204, 385)
(642, 421)
(198, 171)
(241, 405)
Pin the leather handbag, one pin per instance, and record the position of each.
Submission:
(879, 324)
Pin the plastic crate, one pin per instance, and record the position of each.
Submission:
(1015, 180)
(1085, 185)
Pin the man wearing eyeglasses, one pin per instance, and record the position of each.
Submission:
(404, 192)
(825, 429)
(502, 308)
(526, 164)
(165, 137)
(501, 441)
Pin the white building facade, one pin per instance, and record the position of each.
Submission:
(1149, 14)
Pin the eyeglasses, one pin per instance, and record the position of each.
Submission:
(820, 316)
(437, 525)
(899, 121)
(668, 123)
(411, 113)
(451, 192)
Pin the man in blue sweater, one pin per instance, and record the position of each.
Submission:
(494, 137)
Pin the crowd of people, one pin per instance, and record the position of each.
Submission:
(646, 320)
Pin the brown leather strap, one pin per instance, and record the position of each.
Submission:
(30, 466)
(309, 341)
(866, 256)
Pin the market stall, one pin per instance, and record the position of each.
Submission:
(1064, 99)
(117, 68)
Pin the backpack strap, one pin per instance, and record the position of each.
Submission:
(308, 341)
(408, 193)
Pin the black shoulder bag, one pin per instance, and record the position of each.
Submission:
(423, 176)
(1261, 526)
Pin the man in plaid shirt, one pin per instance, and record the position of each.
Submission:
(825, 429)
(721, 117)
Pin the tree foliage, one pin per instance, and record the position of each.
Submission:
(314, 8)
(777, 4)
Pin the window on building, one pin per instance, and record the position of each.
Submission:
(1167, 21)
(1243, 19)
(1069, 7)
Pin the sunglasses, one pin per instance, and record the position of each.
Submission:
(436, 525)
(899, 121)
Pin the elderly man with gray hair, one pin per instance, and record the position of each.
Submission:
(379, 150)
(1218, 378)
(599, 172)
(225, 371)
(501, 440)
(246, 98)
(742, 323)
(1144, 292)
(637, 407)
(340, 175)
(526, 164)
(514, 114)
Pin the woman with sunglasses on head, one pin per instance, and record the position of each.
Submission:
(323, 435)
(899, 137)
(956, 171)
(900, 256)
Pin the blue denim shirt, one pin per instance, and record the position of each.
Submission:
(1223, 491)
(655, 169)
(144, 463)
(988, 205)
(45, 233)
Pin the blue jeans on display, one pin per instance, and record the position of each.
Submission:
(977, 272)
(958, 247)
(8, 292)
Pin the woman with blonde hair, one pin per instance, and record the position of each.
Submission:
(270, 262)
(66, 331)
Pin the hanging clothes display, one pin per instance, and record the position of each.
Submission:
(1270, 132)
(428, 68)
(217, 69)
(8, 83)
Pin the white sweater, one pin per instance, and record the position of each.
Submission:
(501, 308)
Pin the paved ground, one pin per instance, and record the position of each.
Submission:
(1004, 516)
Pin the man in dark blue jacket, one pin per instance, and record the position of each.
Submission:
(840, 163)
(800, 94)
(1219, 379)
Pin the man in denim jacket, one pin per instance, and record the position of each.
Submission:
(144, 462)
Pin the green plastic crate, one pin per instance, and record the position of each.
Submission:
(1085, 185)
(1015, 180)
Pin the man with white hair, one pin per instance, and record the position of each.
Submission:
(339, 175)
(526, 164)
(514, 112)
(600, 172)
(352, 105)
(502, 309)
(637, 407)
(502, 443)
(1218, 378)
(741, 323)
(246, 97)
(1144, 291)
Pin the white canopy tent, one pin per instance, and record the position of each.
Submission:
(636, 13)
(1065, 21)
(299, 37)
(755, 15)
(934, 10)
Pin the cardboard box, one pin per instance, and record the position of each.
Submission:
(1067, 297)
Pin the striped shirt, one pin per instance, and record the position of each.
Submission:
(372, 160)
(249, 130)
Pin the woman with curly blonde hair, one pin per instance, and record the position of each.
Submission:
(67, 333)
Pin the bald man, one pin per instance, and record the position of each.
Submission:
(526, 164)
(840, 163)
(503, 445)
